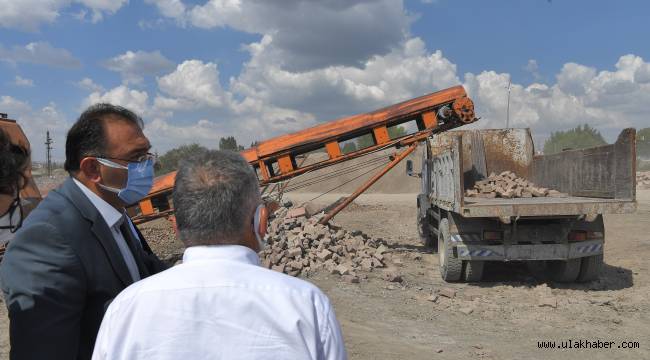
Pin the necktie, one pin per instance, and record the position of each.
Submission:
(134, 246)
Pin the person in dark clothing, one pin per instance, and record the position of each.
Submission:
(14, 160)
(78, 249)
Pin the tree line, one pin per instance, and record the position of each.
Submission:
(171, 159)
(584, 136)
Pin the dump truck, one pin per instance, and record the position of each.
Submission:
(562, 236)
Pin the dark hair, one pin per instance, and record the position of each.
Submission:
(13, 160)
(87, 137)
(215, 192)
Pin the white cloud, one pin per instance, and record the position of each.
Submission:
(101, 7)
(89, 85)
(40, 53)
(35, 122)
(152, 24)
(405, 72)
(608, 100)
(81, 15)
(355, 56)
(642, 74)
(307, 34)
(533, 68)
(574, 78)
(23, 82)
(265, 100)
(13, 107)
(217, 13)
(134, 100)
(29, 15)
(133, 66)
(165, 135)
(169, 8)
(192, 84)
(193, 88)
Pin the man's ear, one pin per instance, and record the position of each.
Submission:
(264, 221)
(90, 169)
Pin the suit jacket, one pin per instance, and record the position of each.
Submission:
(60, 273)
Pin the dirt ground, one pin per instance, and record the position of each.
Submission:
(503, 317)
(500, 318)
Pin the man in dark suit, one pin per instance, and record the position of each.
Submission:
(78, 249)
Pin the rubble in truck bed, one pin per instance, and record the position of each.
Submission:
(508, 185)
(299, 245)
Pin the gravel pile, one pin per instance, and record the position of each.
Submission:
(161, 238)
(299, 245)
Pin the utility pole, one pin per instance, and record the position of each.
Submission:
(508, 108)
(48, 147)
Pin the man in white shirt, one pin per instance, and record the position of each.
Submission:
(220, 303)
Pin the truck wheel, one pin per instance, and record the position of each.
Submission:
(473, 270)
(450, 268)
(564, 270)
(590, 268)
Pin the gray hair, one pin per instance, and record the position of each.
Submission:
(215, 193)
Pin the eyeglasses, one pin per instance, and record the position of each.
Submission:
(141, 158)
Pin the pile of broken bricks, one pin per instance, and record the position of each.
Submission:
(299, 245)
(507, 185)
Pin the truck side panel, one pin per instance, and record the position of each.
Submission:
(605, 171)
(446, 185)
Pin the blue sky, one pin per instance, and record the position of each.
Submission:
(504, 35)
(199, 70)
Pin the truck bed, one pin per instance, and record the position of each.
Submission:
(598, 180)
(544, 206)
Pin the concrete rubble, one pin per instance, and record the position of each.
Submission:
(298, 245)
(447, 292)
(508, 185)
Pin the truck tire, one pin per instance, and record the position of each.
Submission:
(590, 267)
(451, 268)
(564, 270)
(473, 270)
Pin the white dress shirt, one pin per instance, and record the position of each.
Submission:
(220, 304)
(114, 220)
